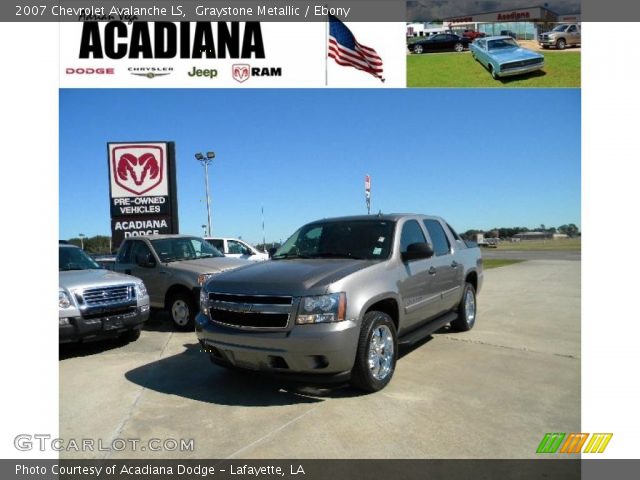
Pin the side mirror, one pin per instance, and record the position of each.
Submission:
(248, 252)
(145, 260)
(417, 251)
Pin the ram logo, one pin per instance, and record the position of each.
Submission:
(138, 169)
(241, 72)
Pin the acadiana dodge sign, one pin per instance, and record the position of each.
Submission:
(142, 189)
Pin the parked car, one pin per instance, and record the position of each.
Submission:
(508, 33)
(561, 36)
(338, 298)
(503, 57)
(236, 248)
(95, 303)
(472, 34)
(173, 268)
(442, 42)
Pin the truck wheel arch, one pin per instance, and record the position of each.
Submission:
(387, 304)
(173, 289)
(472, 278)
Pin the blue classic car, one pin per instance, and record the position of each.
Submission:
(503, 57)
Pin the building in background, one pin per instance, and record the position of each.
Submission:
(523, 23)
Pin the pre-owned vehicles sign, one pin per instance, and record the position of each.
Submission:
(142, 189)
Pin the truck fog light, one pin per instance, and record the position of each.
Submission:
(64, 321)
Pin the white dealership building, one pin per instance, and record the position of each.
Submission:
(525, 23)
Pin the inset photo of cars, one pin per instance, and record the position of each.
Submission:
(540, 49)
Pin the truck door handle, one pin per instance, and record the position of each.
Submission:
(454, 264)
(432, 271)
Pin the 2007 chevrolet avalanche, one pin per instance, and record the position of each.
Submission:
(339, 296)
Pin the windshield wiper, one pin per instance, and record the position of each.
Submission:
(336, 255)
(289, 255)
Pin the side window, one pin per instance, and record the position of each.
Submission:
(236, 247)
(453, 232)
(138, 248)
(124, 255)
(438, 237)
(217, 243)
(411, 233)
(572, 28)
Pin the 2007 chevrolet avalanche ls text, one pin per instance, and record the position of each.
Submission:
(339, 296)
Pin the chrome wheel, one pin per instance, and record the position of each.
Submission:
(180, 312)
(458, 47)
(381, 352)
(417, 49)
(470, 307)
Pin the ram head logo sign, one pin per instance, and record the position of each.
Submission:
(138, 168)
(241, 72)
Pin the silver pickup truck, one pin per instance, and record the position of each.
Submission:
(173, 267)
(562, 36)
(338, 298)
(94, 303)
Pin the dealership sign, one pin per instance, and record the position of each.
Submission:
(142, 189)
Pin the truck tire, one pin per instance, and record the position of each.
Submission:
(182, 310)
(467, 311)
(377, 353)
(561, 43)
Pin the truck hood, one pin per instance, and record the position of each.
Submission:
(514, 54)
(209, 265)
(74, 279)
(294, 277)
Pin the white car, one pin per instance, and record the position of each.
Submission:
(236, 248)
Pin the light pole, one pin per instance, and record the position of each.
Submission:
(81, 235)
(206, 161)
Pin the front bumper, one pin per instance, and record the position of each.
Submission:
(303, 352)
(547, 42)
(521, 70)
(78, 328)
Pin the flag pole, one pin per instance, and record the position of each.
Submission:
(326, 53)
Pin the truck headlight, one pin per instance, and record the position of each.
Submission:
(204, 302)
(141, 290)
(322, 309)
(203, 277)
(64, 300)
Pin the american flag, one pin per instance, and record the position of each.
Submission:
(346, 51)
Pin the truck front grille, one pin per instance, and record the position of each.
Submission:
(250, 311)
(94, 297)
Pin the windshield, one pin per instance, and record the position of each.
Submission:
(72, 258)
(184, 248)
(560, 28)
(357, 239)
(502, 43)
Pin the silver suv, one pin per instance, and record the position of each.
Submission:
(94, 303)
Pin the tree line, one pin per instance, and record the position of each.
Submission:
(570, 230)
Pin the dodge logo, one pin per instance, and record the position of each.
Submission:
(138, 168)
(241, 72)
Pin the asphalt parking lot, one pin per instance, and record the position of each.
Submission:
(489, 393)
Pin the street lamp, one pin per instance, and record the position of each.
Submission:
(206, 161)
(81, 235)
